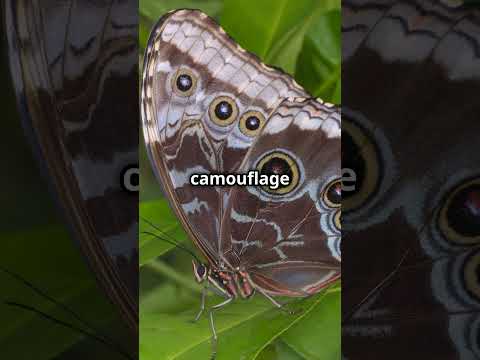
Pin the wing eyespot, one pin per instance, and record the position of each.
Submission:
(184, 82)
(337, 220)
(251, 123)
(359, 155)
(223, 111)
(332, 195)
(459, 216)
(471, 274)
(280, 163)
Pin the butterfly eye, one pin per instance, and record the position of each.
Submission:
(332, 196)
(251, 123)
(184, 82)
(361, 159)
(471, 274)
(200, 271)
(223, 111)
(459, 217)
(338, 220)
(279, 163)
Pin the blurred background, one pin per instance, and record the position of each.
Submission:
(303, 38)
(51, 303)
(37, 246)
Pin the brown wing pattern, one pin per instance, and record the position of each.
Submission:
(182, 133)
(290, 243)
(412, 241)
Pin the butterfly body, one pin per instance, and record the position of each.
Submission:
(230, 283)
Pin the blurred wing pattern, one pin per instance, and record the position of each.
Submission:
(411, 229)
(75, 86)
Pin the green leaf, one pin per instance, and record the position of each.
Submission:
(279, 350)
(169, 297)
(319, 63)
(166, 230)
(244, 329)
(276, 29)
(318, 335)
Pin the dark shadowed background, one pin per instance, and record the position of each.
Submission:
(63, 64)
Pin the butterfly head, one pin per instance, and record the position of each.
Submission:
(200, 271)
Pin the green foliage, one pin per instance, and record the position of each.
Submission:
(150, 246)
(303, 38)
(318, 65)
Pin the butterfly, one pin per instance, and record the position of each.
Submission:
(207, 107)
(411, 236)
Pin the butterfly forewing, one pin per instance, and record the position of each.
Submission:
(199, 89)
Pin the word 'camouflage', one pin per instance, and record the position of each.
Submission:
(252, 178)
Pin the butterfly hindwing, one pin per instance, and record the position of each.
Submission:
(288, 239)
(411, 240)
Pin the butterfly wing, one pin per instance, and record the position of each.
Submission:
(68, 81)
(289, 240)
(410, 241)
(199, 88)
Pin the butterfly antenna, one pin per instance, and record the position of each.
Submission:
(166, 235)
(168, 238)
(381, 285)
(92, 333)
(174, 243)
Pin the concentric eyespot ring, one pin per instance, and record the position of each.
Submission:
(184, 82)
(251, 123)
(361, 166)
(337, 219)
(471, 274)
(459, 217)
(223, 111)
(332, 195)
(280, 163)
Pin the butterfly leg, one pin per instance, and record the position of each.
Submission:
(212, 325)
(275, 302)
(202, 304)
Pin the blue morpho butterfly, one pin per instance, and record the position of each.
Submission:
(75, 86)
(411, 246)
(209, 106)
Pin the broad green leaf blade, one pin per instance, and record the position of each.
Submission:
(279, 350)
(319, 64)
(318, 335)
(244, 328)
(276, 29)
(162, 236)
(168, 298)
